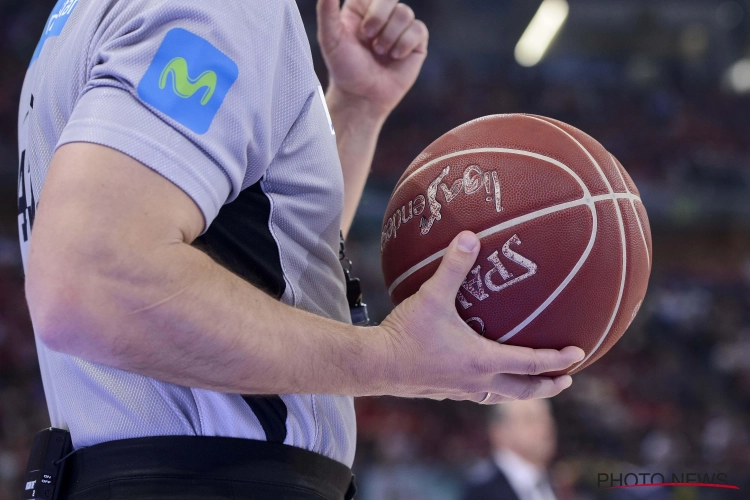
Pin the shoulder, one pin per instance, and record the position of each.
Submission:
(252, 26)
(264, 39)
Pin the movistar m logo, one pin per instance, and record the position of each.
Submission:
(188, 80)
(183, 85)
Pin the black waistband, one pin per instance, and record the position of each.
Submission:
(216, 458)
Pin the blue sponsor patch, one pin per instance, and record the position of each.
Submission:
(55, 24)
(188, 80)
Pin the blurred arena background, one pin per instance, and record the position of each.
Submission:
(665, 86)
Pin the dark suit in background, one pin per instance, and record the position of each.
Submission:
(490, 484)
(523, 440)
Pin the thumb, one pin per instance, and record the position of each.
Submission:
(329, 23)
(457, 262)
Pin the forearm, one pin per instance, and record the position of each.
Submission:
(357, 127)
(179, 317)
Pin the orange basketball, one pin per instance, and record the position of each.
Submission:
(566, 243)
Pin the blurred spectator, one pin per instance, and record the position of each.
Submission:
(523, 439)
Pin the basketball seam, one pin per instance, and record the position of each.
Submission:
(487, 232)
(521, 152)
(643, 233)
(585, 200)
(511, 223)
(608, 329)
(556, 293)
(635, 212)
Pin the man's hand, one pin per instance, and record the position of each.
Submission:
(436, 355)
(374, 50)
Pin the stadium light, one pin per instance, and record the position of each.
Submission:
(739, 76)
(541, 31)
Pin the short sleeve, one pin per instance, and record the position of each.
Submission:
(174, 85)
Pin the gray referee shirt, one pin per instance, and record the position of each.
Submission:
(221, 99)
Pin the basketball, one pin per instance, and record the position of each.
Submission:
(565, 241)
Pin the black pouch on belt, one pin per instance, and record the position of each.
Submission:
(46, 463)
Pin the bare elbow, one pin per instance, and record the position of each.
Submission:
(64, 287)
(63, 291)
(56, 305)
(99, 218)
(76, 291)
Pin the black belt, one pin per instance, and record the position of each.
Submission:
(218, 460)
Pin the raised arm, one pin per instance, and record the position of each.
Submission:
(374, 50)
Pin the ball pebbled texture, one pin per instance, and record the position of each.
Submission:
(566, 243)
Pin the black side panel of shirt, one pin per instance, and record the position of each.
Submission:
(240, 239)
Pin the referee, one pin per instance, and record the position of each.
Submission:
(186, 180)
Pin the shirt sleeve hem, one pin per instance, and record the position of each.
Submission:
(153, 154)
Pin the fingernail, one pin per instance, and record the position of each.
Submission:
(568, 381)
(380, 49)
(467, 243)
(396, 54)
(580, 356)
(369, 31)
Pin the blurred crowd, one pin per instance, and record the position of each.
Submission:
(672, 396)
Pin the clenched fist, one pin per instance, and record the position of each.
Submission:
(374, 50)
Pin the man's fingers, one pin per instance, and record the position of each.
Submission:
(401, 18)
(413, 39)
(529, 387)
(329, 23)
(527, 361)
(506, 388)
(456, 264)
(377, 15)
